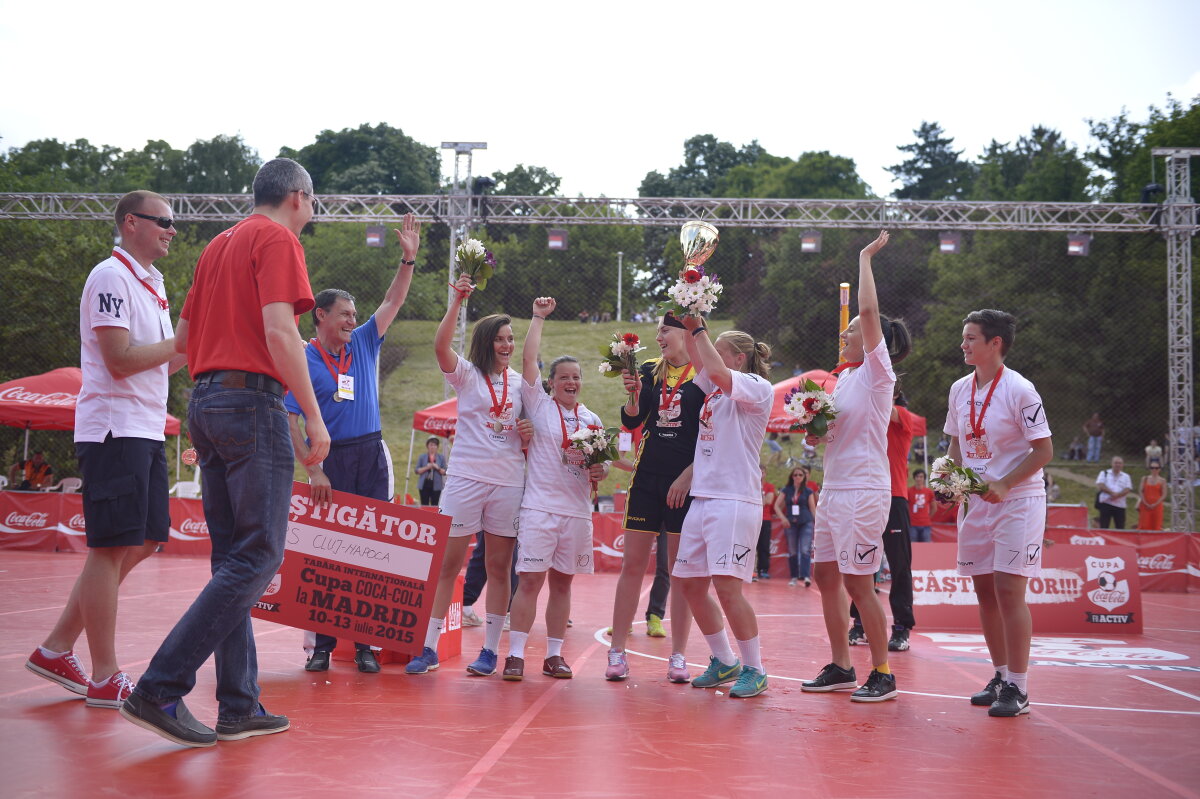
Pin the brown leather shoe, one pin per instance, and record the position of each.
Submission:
(557, 667)
(514, 668)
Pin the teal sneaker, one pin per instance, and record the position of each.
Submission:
(751, 682)
(716, 674)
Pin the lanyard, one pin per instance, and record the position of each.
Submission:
(498, 405)
(665, 403)
(162, 303)
(562, 420)
(344, 360)
(705, 413)
(977, 426)
(841, 367)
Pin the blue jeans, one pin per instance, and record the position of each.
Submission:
(920, 534)
(1093, 449)
(241, 436)
(799, 541)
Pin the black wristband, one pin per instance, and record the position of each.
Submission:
(699, 330)
(408, 263)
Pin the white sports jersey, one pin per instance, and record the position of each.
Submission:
(134, 406)
(732, 429)
(856, 447)
(1014, 417)
(480, 451)
(552, 485)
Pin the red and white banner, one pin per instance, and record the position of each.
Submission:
(1082, 589)
(358, 568)
(28, 521)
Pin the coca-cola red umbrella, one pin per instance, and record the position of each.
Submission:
(47, 402)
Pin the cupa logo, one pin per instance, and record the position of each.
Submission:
(1111, 591)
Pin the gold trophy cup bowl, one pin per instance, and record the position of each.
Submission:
(699, 241)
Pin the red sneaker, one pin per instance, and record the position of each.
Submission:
(111, 693)
(64, 670)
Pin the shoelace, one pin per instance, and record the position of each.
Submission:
(124, 684)
(678, 662)
(615, 658)
(73, 662)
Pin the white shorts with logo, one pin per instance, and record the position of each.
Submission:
(1002, 536)
(718, 538)
(849, 528)
(554, 541)
(477, 506)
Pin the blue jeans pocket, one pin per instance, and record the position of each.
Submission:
(231, 432)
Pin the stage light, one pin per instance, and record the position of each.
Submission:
(949, 242)
(810, 241)
(376, 235)
(1079, 244)
(556, 239)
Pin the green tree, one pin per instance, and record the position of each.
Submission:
(526, 181)
(935, 171)
(369, 159)
(1040, 167)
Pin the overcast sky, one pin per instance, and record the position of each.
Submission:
(599, 93)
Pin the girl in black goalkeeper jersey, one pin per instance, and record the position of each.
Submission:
(667, 405)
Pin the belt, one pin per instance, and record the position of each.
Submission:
(357, 440)
(233, 378)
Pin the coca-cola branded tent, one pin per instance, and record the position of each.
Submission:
(47, 402)
(439, 420)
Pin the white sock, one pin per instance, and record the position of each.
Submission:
(468, 609)
(553, 647)
(718, 643)
(492, 630)
(1003, 672)
(46, 653)
(434, 633)
(1019, 680)
(750, 653)
(516, 643)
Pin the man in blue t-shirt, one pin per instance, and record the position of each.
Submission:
(343, 367)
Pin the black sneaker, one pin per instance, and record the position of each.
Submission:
(367, 662)
(319, 661)
(1010, 703)
(990, 693)
(262, 724)
(899, 640)
(879, 687)
(857, 635)
(832, 678)
(182, 728)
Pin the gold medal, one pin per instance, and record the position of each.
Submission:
(498, 426)
(337, 397)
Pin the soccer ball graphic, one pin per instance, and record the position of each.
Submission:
(1107, 581)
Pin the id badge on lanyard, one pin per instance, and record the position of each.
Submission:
(345, 389)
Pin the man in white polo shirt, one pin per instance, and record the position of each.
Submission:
(126, 354)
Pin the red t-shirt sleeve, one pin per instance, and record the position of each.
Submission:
(282, 275)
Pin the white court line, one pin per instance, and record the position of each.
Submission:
(1165, 687)
(1172, 630)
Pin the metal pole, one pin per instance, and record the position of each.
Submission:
(620, 257)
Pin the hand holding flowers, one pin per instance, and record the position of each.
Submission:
(811, 407)
(954, 484)
(619, 354)
(475, 261)
(695, 293)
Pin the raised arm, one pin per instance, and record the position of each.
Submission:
(542, 307)
(701, 350)
(444, 338)
(868, 301)
(410, 242)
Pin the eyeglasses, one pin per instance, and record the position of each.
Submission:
(312, 198)
(164, 222)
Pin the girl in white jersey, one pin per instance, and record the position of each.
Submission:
(853, 507)
(556, 512)
(720, 532)
(486, 476)
(998, 428)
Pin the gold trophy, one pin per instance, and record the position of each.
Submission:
(699, 241)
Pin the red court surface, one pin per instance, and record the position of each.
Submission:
(1112, 717)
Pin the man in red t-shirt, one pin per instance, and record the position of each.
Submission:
(763, 567)
(920, 507)
(238, 327)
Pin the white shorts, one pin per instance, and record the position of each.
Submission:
(553, 541)
(718, 538)
(849, 528)
(476, 506)
(1002, 536)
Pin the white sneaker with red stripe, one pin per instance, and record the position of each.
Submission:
(64, 670)
(111, 693)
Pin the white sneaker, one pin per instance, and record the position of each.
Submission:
(507, 622)
(470, 618)
(792, 582)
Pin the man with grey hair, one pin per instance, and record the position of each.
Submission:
(241, 359)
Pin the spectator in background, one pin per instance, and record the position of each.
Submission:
(1094, 429)
(1075, 451)
(1114, 485)
(918, 450)
(776, 456)
(431, 465)
(1153, 453)
(796, 507)
(920, 503)
(764, 533)
(1152, 494)
(31, 474)
(1053, 492)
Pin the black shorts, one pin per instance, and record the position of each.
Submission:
(646, 506)
(124, 491)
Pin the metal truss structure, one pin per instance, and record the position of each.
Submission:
(1178, 219)
(1179, 225)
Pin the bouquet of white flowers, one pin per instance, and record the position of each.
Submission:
(694, 293)
(811, 408)
(954, 484)
(619, 354)
(476, 261)
(596, 443)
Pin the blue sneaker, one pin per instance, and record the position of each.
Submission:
(751, 682)
(716, 674)
(484, 665)
(424, 662)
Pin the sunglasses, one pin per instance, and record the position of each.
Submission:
(164, 222)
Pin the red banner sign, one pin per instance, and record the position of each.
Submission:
(358, 568)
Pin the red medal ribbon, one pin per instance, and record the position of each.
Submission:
(977, 426)
(162, 303)
(343, 364)
(562, 420)
(705, 413)
(498, 405)
(666, 400)
(841, 367)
